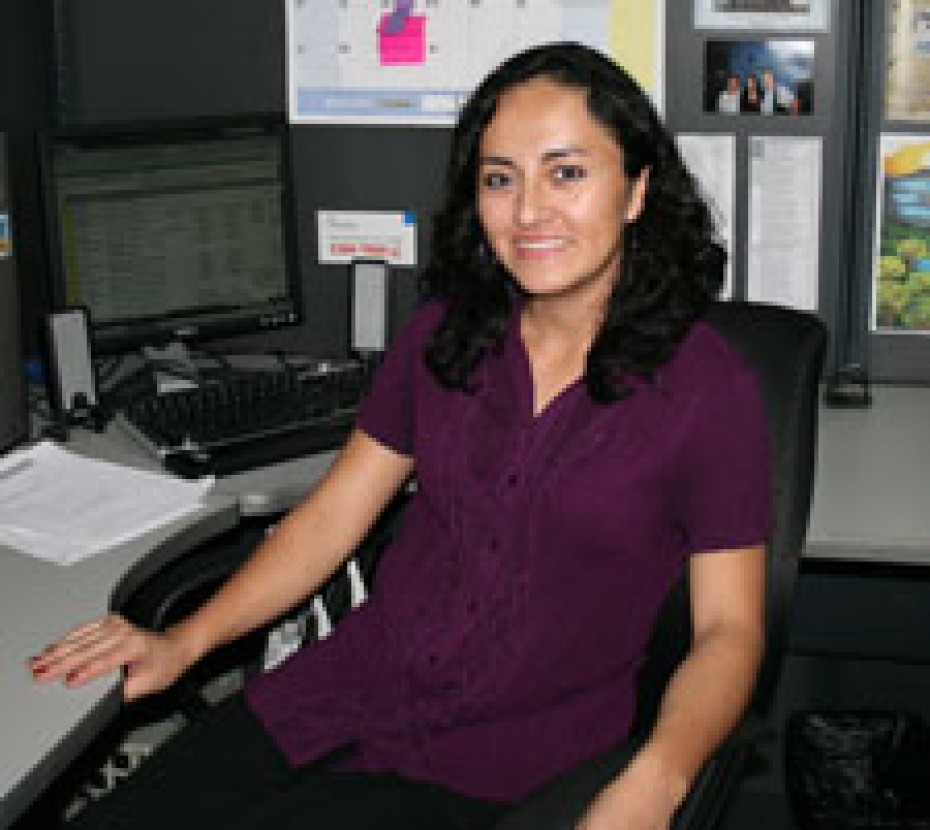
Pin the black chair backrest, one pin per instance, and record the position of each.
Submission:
(786, 347)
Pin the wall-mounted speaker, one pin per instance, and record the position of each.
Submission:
(370, 302)
(73, 380)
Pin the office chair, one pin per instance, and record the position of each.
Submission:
(786, 347)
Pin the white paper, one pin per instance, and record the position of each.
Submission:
(711, 158)
(784, 220)
(415, 61)
(781, 15)
(62, 507)
(344, 235)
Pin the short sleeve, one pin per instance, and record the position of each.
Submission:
(387, 412)
(725, 481)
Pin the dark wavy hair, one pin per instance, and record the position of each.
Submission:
(672, 267)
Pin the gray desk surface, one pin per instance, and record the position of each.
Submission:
(43, 728)
(872, 492)
(871, 503)
(40, 601)
(262, 491)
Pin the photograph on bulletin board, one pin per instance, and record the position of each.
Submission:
(901, 278)
(759, 77)
(907, 94)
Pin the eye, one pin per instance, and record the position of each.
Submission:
(569, 173)
(495, 180)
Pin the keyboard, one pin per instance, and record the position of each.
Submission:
(239, 420)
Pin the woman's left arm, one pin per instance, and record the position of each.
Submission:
(704, 699)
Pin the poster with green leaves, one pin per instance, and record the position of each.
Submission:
(901, 279)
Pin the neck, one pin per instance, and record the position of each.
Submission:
(563, 324)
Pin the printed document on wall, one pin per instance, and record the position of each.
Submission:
(907, 93)
(711, 158)
(783, 15)
(784, 220)
(901, 265)
(416, 61)
(344, 235)
(6, 235)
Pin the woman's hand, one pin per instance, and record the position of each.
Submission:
(152, 662)
(644, 797)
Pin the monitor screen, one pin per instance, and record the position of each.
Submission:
(172, 232)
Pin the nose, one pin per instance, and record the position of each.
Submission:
(530, 203)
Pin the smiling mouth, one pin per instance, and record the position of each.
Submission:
(540, 246)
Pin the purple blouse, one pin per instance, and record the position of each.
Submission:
(510, 615)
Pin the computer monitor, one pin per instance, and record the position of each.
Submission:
(169, 232)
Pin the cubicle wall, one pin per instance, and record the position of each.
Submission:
(220, 56)
(827, 121)
(25, 64)
(13, 389)
(118, 61)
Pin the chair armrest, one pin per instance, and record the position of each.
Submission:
(181, 587)
(560, 804)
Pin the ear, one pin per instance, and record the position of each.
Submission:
(637, 200)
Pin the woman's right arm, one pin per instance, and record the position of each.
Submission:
(304, 550)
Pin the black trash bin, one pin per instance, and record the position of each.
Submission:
(858, 770)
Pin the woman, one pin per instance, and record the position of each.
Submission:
(752, 94)
(730, 97)
(578, 438)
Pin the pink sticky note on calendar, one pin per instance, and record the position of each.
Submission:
(405, 47)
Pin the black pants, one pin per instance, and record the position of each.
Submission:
(225, 773)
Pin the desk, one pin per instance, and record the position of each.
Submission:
(871, 503)
(43, 728)
(872, 488)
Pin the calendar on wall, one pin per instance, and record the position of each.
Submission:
(415, 61)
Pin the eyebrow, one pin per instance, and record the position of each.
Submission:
(549, 155)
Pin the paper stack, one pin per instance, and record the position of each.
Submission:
(62, 507)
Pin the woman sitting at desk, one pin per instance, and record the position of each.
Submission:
(578, 436)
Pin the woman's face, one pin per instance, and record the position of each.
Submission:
(552, 193)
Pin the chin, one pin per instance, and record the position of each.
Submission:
(533, 287)
(536, 277)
